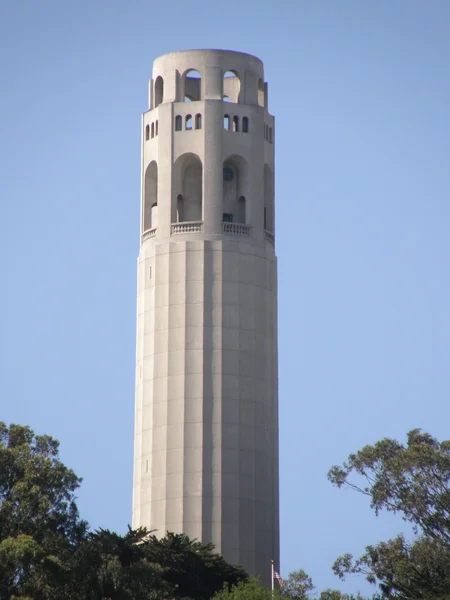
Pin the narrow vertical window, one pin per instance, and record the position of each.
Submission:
(270, 135)
(245, 124)
(146, 466)
(198, 121)
(188, 122)
(226, 122)
(235, 123)
(178, 123)
(159, 91)
(153, 130)
(156, 127)
(147, 132)
(150, 272)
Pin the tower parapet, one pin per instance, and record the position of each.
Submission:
(206, 419)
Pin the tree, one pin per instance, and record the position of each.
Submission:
(47, 552)
(108, 565)
(37, 491)
(26, 569)
(192, 569)
(337, 595)
(413, 481)
(403, 570)
(247, 590)
(298, 585)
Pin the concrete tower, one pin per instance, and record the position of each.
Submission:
(206, 414)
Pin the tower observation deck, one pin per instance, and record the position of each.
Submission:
(206, 403)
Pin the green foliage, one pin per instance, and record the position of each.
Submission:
(412, 480)
(403, 570)
(337, 595)
(298, 585)
(37, 490)
(192, 569)
(247, 590)
(46, 552)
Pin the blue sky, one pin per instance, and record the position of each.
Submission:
(361, 94)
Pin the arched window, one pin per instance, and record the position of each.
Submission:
(244, 124)
(226, 122)
(153, 130)
(261, 93)
(235, 123)
(179, 208)
(236, 184)
(192, 86)
(159, 91)
(225, 98)
(147, 132)
(241, 216)
(156, 127)
(198, 121)
(188, 122)
(231, 86)
(187, 185)
(178, 123)
(150, 196)
(269, 215)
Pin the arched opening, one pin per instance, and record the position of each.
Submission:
(235, 189)
(192, 86)
(226, 122)
(179, 208)
(235, 123)
(159, 91)
(147, 133)
(156, 127)
(231, 86)
(188, 185)
(241, 210)
(178, 123)
(225, 98)
(244, 124)
(269, 213)
(188, 122)
(198, 121)
(150, 196)
(153, 130)
(261, 93)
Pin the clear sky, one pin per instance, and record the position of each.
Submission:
(361, 95)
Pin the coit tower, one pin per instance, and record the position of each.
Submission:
(206, 405)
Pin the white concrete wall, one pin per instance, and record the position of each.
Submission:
(206, 427)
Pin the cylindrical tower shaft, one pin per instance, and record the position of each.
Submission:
(206, 406)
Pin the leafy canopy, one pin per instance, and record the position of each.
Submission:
(412, 480)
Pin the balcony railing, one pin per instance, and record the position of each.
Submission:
(237, 228)
(270, 237)
(187, 227)
(150, 233)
